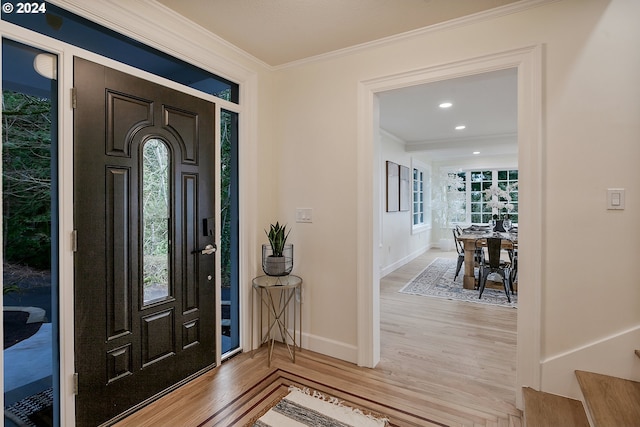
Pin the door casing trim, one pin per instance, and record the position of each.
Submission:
(528, 62)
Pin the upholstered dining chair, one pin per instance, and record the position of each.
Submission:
(493, 263)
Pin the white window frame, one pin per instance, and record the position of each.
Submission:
(425, 170)
(494, 181)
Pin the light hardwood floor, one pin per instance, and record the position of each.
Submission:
(443, 363)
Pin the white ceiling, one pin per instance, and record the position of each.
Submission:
(282, 31)
(279, 32)
(485, 103)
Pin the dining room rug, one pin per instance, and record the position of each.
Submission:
(437, 281)
(303, 407)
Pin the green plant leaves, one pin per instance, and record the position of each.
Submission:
(277, 236)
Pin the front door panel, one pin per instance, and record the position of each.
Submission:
(144, 291)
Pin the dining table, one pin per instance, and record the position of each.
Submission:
(469, 237)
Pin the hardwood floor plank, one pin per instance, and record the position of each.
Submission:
(443, 363)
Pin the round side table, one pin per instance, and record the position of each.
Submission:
(276, 294)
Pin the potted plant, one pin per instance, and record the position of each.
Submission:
(277, 255)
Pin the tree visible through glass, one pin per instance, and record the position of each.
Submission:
(156, 220)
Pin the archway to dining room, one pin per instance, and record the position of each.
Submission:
(526, 62)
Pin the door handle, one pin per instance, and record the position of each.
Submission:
(207, 250)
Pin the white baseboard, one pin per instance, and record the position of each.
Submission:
(331, 348)
(446, 244)
(336, 349)
(390, 268)
(613, 355)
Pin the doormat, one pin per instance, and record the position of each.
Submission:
(307, 408)
(32, 411)
(437, 281)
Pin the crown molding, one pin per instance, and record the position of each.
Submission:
(486, 140)
(392, 136)
(453, 23)
(201, 31)
(155, 25)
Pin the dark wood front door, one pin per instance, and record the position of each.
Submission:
(143, 213)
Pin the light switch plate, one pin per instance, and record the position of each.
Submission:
(304, 215)
(615, 198)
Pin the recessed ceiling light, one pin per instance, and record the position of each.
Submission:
(446, 105)
(460, 127)
(476, 152)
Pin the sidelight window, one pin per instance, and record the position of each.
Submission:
(30, 281)
(229, 234)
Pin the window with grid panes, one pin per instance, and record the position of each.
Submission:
(509, 179)
(457, 197)
(478, 181)
(418, 197)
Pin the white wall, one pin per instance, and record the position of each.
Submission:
(399, 244)
(591, 105)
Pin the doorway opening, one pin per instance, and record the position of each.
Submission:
(416, 132)
(528, 62)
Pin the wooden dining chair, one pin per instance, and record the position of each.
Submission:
(493, 263)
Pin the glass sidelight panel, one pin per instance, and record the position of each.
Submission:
(30, 241)
(156, 220)
(230, 286)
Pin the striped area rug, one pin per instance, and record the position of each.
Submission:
(306, 408)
